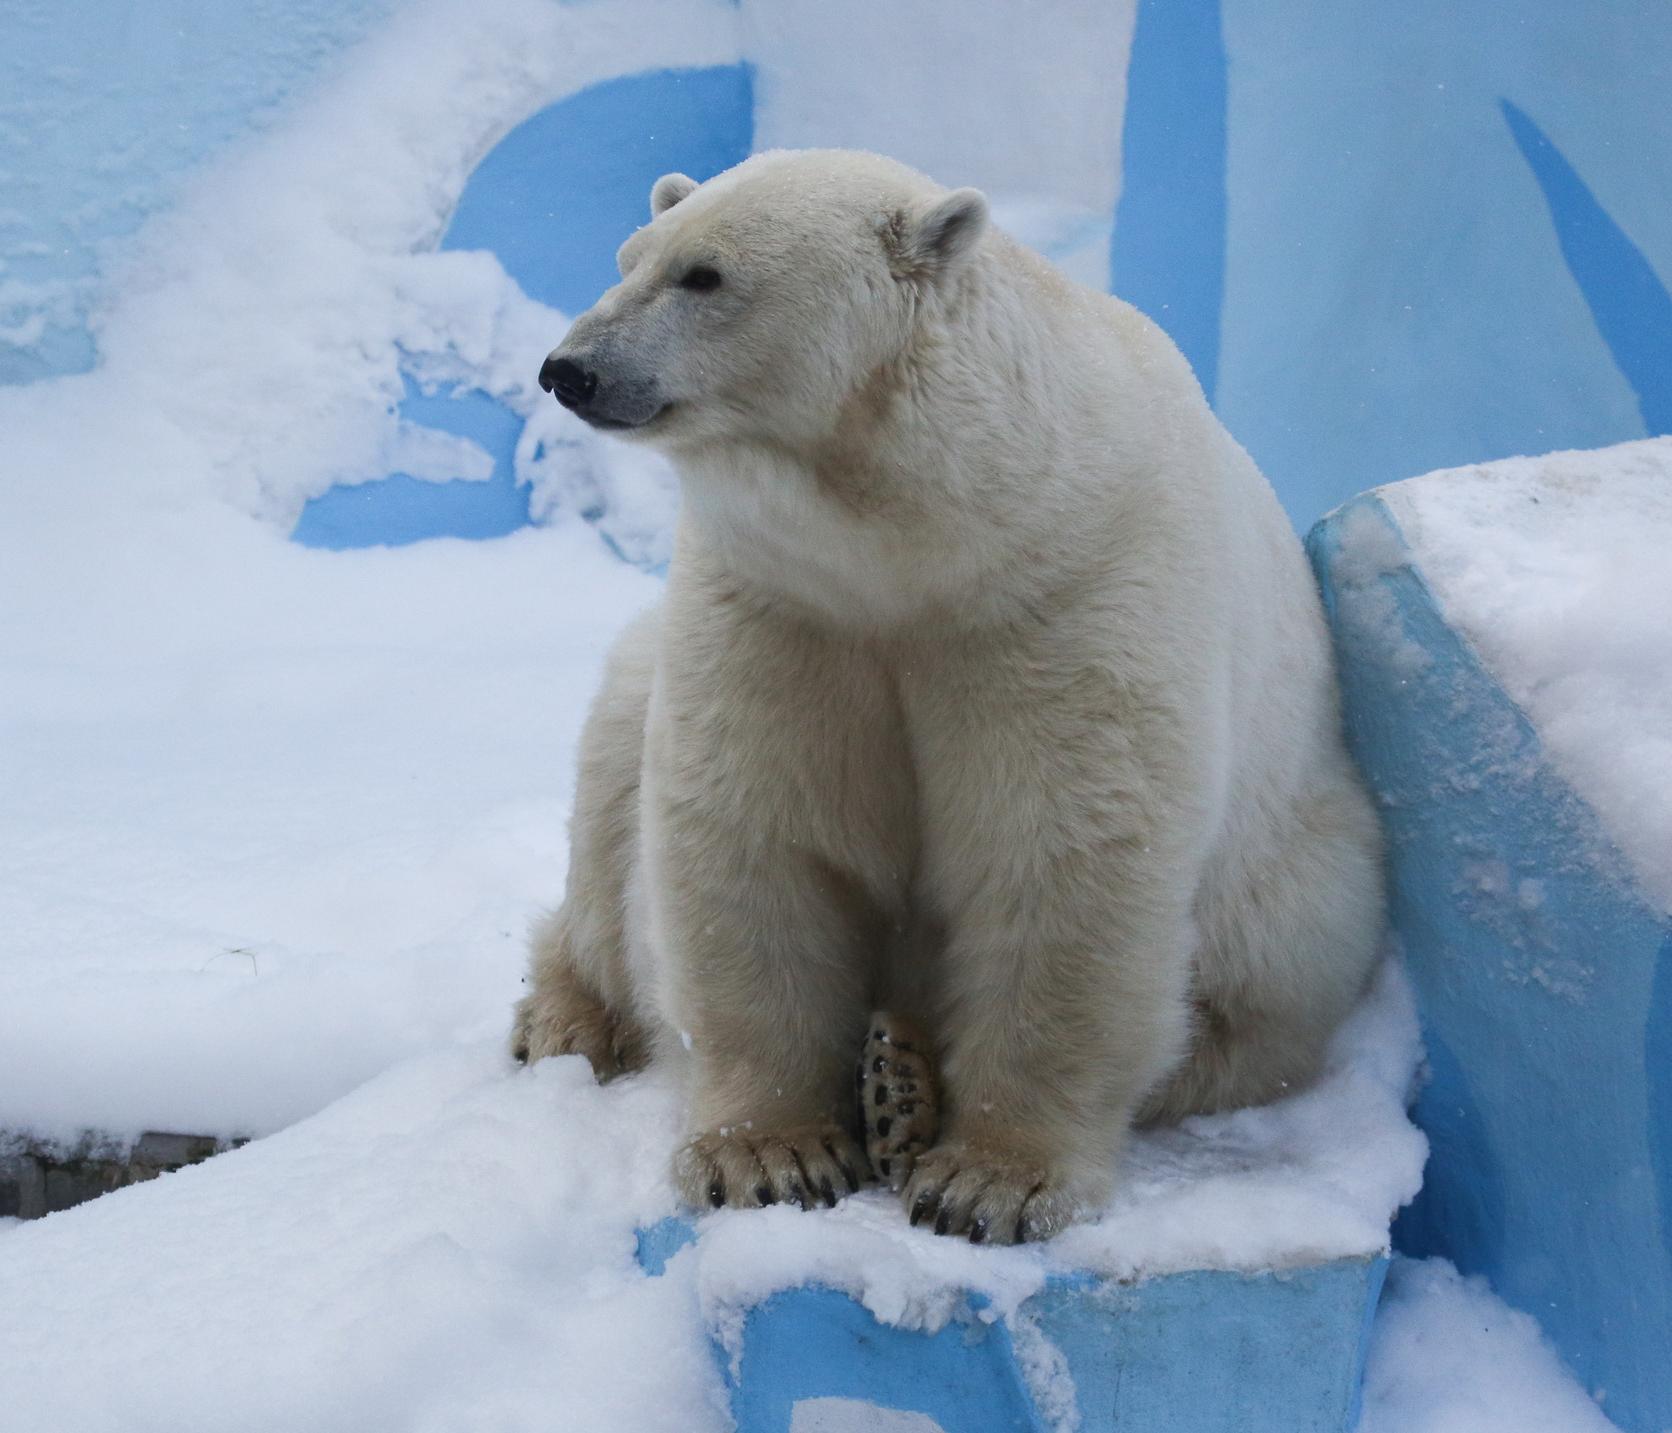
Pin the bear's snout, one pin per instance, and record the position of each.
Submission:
(567, 381)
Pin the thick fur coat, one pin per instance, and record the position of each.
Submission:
(990, 689)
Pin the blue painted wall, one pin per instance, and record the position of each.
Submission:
(553, 201)
(1391, 238)
(1397, 295)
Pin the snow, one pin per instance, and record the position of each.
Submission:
(1556, 570)
(276, 819)
(1448, 1356)
(451, 1245)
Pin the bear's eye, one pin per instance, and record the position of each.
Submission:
(700, 278)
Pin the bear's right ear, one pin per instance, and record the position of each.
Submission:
(668, 191)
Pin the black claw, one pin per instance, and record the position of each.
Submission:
(978, 1231)
(883, 1167)
(884, 1124)
(943, 1221)
(798, 1195)
(827, 1192)
(763, 1193)
(716, 1194)
(925, 1202)
(881, 1096)
(852, 1178)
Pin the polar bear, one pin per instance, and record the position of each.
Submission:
(990, 689)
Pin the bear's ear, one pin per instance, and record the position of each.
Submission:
(935, 241)
(668, 191)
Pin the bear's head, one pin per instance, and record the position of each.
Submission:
(756, 306)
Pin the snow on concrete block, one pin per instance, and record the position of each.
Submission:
(1194, 1351)
(1505, 644)
(1228, 1286)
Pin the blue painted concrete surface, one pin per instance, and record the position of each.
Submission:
(400, 509)
(1168, 255)
(552, 201)
(1544, 982)
(1201, 1352)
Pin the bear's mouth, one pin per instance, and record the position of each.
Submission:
(623, 425)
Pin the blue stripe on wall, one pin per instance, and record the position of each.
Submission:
(1632, 309)
(552, 201)
(556, 197)
(1168, 256)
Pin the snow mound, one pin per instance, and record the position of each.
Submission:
(1448, 1356)
(452, 1246)
(1558, 571)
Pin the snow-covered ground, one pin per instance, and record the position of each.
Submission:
(451, 1247)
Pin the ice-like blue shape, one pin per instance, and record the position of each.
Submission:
(1544, 981)
(399, 509)
(552, 201)
(1201, 1352)
(1632, 309)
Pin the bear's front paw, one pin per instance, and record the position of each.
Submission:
(989, 1195)
(563, 1019)
(748, 1168)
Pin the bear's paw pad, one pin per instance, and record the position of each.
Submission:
(899, 1097)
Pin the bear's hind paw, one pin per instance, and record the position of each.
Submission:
(899, 1096)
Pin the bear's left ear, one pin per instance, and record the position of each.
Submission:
(668, 191)
(934, 242)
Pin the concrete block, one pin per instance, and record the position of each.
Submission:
(1196, 1352)
(1543, 976)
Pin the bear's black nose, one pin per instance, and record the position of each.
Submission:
(567, 381)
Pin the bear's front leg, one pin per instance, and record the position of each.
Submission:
(1060, 851)
(776, 856)
(770, 985)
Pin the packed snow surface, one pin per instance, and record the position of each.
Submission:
(1558, 570)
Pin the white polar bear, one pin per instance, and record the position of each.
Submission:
(990, 688)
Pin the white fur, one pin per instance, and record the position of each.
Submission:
(990, 687)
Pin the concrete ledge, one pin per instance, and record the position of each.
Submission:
(1196, 1352)
(40, 1177)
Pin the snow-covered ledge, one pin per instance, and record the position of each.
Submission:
(1228, 1287)
(1505, 642)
